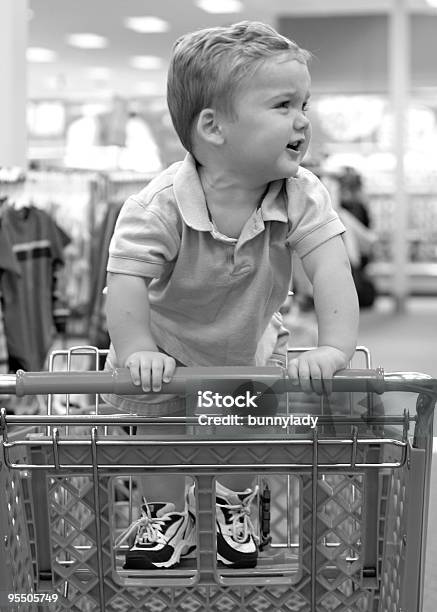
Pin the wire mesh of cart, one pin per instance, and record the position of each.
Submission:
(341, 510)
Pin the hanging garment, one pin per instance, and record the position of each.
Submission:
(97, 332)
(8, 264)
(4, 358)
(37, 244)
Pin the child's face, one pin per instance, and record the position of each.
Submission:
(271, 134)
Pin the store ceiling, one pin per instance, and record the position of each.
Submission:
(99, 73)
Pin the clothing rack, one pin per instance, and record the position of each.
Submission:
(85, 204)
(12, 180)
(31, 257)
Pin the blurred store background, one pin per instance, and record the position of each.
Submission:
(93, 76)
(83, 114)
(84, 123)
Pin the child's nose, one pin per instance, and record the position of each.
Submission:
(301, 121)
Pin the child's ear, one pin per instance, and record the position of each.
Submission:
(208, 126)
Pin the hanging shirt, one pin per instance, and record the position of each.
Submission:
(97, 332)
(9, 264)
(37, 244)
(3, 345)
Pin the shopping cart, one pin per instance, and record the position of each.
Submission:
(346, 526)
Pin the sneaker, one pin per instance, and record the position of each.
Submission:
(162, 537)
(236, 539)
(190, 509)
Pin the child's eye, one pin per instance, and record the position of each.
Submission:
(305, 107)
(284, 104)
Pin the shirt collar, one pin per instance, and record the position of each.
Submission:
(190, 197)
(274, 204)
(192, 205)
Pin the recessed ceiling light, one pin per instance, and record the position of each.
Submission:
(220, 6)
(39, 54)
(87, 41)
(146, 62)
(147, 25)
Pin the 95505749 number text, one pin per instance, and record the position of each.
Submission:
(8, 598)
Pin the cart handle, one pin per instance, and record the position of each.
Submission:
(275, 380)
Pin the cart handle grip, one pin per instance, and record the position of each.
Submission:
(275, 380)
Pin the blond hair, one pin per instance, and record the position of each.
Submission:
(208, 66)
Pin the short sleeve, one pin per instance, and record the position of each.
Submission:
(144, 242)
(59, 240)
(312, 219)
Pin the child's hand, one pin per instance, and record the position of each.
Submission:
(314, 369)
(150, 368)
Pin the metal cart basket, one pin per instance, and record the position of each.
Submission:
(347, 516)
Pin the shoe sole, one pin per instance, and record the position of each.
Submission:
(243, 564)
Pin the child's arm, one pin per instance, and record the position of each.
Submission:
(128, 315)
(336, 304)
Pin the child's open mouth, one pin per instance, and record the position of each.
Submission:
(295, 145)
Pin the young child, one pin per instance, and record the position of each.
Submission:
(200, 260)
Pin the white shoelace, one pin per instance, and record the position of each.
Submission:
(148, 528)
(242, 525)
